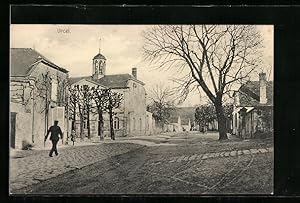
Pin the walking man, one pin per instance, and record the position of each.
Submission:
(55, 131)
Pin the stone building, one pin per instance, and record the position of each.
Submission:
(253, 108)
(131, 118)
(36, 96)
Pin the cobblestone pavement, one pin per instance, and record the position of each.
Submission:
(32, 169)
(194, 157)
(175, 157)
(153, 170)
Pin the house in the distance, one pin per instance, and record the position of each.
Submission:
(36, 97)
(131, 117)
(253, 108)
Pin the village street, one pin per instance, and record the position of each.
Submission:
(181, 163)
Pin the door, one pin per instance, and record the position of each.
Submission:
(13, 129)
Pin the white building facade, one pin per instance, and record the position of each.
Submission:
(131, 117)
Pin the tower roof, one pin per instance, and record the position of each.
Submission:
(99, 56)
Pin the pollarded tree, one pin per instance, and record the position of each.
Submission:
(73, 98)
(81, 109)
(100, 98)
(214, 57)
(114, 102)
(87, 104)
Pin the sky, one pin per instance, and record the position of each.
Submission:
(122, 45)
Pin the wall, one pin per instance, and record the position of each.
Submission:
(250, 127)
(135, 109)
(30, 118)
(23, 129)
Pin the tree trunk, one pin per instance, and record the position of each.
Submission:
(88, 125)
(221, 121)
(112, 133)
(100, 125)
(81, 128)
(74, 119)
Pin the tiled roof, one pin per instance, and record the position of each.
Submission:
(111, 81)
(185, 113)
(249, 94)
(22, 60)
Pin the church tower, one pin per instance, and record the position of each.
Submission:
(99, 65)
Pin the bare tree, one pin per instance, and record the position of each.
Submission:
(62, 92)
(213, 57)
(63, 97)
(73, 98)
(81, 110)
(114, 102)
(162, 103)
(43, 86)
(100, 98)
(86, 98)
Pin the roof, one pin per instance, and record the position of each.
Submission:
(185, 113)
(99, 56)
(111, 81)
(23, 59)
(249, 94)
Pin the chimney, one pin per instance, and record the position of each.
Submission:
(262, 88)
(134, 72)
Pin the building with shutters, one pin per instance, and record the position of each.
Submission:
(36, 97)
(131, 118)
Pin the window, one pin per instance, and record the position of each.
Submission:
(133, 123)
(116, 123)
(54, 90)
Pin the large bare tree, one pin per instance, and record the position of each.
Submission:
(214, 57)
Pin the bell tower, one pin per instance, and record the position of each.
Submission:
(99, 64)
